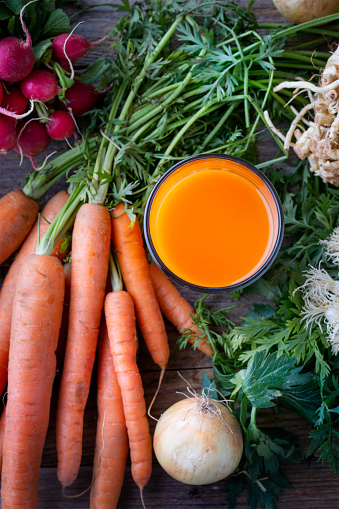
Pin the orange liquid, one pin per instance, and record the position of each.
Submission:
(211, 227)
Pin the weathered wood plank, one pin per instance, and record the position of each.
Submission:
(310, 489)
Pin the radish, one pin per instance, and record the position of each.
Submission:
(1, 93)
(75, 46)
(8, 137)
(14, 100)
(60, 126)
(40, 85)
(32, 139)
(81, 97)
(16, 56)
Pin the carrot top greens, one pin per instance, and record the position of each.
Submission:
(187, 79)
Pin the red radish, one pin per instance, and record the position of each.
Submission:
(1, 92)
(16, 56)
(60, 126)
(8, 137)
(32, 138)
(16, 59)
(40, 85)
(81, 97)
(14, 101)
(75, 46)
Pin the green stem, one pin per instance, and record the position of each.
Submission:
(324, 33)
(307, 44)
(263, 104)
(169, 100)
(62, 222)
(302, 58)
(145, 127)
(219, 125)
(291, 30)
(38, 182)
(261, 116)
(115, 274)
(202, 111)
(63, 80)
(161, 91)
(157, 85)
(287, 64)
(112, 149)
(105, 167)
(42, 112)
(253, 431)
(271, 161)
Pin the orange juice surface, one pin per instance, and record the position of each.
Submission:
(211, 227)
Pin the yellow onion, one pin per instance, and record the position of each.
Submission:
(198, 441)
(300, 11)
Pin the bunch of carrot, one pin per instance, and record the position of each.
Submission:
(33, 295)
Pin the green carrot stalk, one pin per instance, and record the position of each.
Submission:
(105, 158)
(37, 183)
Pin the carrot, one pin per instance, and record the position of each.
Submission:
(17, 216)
(57, 250)
(111, 444)
(37, 310)
(120, 319)
(90, 254)
(176, 309)
(129, 249)
(8, 288)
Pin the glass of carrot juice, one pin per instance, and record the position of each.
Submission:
(213, 223)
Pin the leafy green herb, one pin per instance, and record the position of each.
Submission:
(265, 382)
(326, 433)
(204, 320)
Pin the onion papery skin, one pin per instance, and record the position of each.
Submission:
(300, 11)
(195, 447)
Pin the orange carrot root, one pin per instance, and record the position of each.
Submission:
(128, 245)
(111, 445)
(120, 319)
(17, 216)
(8, 287)
(176, 309)
(31, 370)
(90, 254)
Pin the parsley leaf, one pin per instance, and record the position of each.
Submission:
(264, 378)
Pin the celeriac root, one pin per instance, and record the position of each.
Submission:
(321, 294)
(320, 142)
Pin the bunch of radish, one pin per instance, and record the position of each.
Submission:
(39, 103)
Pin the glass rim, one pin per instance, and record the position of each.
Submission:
(217, 289)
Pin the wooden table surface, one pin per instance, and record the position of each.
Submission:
(313, 485)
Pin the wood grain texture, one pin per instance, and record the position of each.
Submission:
(314, 486)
